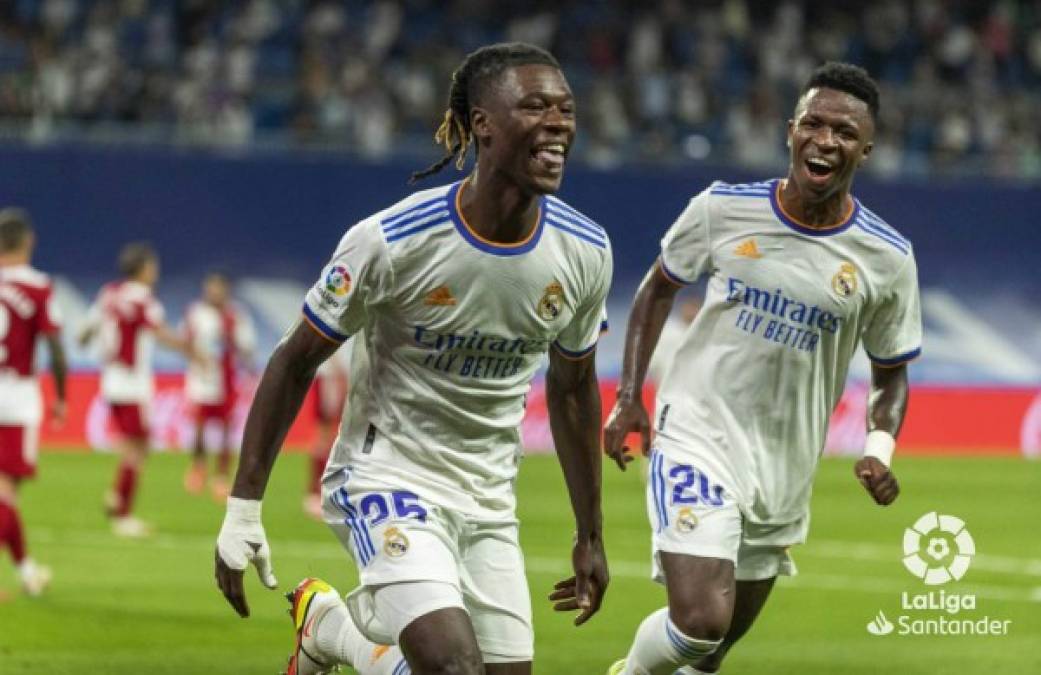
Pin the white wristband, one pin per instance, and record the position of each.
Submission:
(880, 445)
(243, 510)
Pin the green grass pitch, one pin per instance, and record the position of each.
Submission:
(118, 607)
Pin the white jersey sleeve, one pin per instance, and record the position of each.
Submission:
(154, 313)
(685, 249)
(245, 337)
(356, 278)
(580, 336)
(893, 332)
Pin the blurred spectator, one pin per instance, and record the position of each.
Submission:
(665, 81)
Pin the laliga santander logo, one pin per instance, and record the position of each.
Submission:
(338, 280)
(938, 549)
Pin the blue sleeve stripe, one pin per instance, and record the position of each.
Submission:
(883, 225)
(874, 230)
(575, 213)
(427, 205)
(741, 193)
(565, 217)
(575, 233)
(742, 187)
(420, 217)
(581, 354)
(404, 234)
(671, 276)
(322, 327)
(896, 360)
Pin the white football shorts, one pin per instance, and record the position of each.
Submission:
(398, 539)
(693, 514)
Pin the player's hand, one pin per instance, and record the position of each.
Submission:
(59, 409)
(626, 417)
(877, 479)
(241, 541)
(584, 591)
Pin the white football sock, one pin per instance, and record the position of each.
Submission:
(340, 641)
(660, 648)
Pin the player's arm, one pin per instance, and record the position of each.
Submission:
(573, 399)
(175, 341)
(887, 405)
(59, 369)
(651, 308)
(892, 338)
(281, 392)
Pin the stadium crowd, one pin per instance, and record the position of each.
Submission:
(668, 81)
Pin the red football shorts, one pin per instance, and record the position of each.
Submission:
(18, 450)
(328, 403)
(129, 420)
(213, 411)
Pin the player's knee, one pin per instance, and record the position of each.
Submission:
(705, 622)
(464, 661)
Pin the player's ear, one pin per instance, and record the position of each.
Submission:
(480, 123)
(791, 130)
(868, 147)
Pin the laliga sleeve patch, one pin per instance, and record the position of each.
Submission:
(336, 284)
(338, 279)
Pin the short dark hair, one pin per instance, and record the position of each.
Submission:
(847, 78)
(15, 229)
(468, 84)
(134, 256)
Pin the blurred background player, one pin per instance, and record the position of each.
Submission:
(223, 337)
(126, 319)
(801, 273)
(330, 396)
(26, 312)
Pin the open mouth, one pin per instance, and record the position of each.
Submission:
(550, 156)
(819, 169)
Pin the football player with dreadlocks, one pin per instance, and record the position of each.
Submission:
(455, 294)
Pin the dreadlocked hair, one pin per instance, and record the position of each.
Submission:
(468, 83)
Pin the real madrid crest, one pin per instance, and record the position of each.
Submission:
(686, 521)
(552, 301)
(845, 280)
(395, 543)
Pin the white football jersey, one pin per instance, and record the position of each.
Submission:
(453, 328)
(220, 335)
(764, 363)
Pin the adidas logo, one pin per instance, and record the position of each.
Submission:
(748, 249)
(440, 297)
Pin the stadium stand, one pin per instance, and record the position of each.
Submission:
(670, 81)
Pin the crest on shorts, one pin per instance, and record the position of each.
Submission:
(552, 301)
(395, 543)
(845, 280)
(686, 521)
